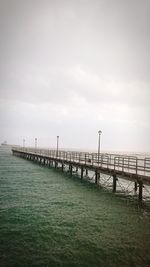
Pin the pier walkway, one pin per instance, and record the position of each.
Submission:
(127, 167)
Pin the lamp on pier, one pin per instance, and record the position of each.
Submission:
(24, 142)
(99, 144)
(35, 143)
(57, 145)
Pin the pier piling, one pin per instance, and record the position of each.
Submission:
(140, 191)
(114, 183)
(82, 170)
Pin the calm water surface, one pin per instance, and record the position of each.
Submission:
(50, 219)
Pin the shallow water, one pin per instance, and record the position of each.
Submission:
(50, 219)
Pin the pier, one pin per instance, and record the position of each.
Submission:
(131, 168)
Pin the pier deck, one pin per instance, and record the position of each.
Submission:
(127, 167)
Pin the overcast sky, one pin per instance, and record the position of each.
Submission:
(71, 68)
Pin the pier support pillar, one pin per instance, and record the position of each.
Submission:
(86, 172)
(70, 168)
(56, 163)
(114, 183)
(62, 167)
(82, 173)
(76, 169)
(140, 191)
(96, 177)
(135, 187)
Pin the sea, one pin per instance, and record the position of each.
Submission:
(48, 218)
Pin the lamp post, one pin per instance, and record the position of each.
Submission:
(57, 145)
(24, 143)
(35, 143)
(99, 143)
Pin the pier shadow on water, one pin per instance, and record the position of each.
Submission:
(51, 219)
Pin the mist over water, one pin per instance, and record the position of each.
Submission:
(50, 219)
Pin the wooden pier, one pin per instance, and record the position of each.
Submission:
(130, 168)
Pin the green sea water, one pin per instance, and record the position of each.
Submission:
(51, 219)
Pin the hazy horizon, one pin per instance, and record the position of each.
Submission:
(71, 68)
(85, 149)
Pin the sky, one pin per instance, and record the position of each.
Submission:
(72, 68)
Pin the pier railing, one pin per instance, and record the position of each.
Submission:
(124, 163)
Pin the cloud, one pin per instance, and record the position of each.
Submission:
(72, 86)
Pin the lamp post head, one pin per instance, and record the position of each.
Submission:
(99, 132)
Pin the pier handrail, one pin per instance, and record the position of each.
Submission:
(124, 163)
